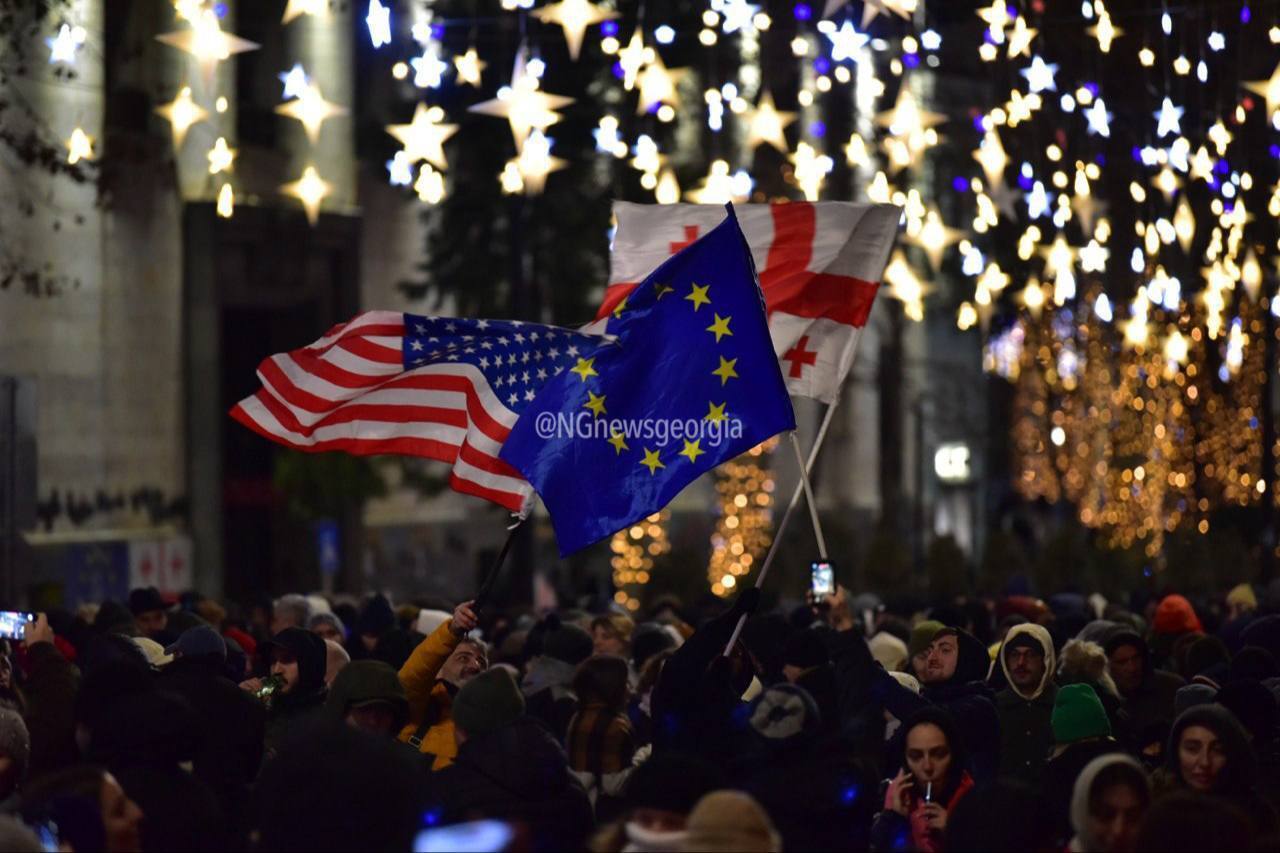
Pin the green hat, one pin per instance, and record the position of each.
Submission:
(922, 636)
(487, 702)
(1078, 715)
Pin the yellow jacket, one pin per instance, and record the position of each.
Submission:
(429, 699)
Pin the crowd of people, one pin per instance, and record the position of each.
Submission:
(844, 723)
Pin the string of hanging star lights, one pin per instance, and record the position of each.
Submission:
(1093, 187)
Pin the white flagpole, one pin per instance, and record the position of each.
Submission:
(805, 468)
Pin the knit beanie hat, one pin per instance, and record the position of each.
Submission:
(922, 636)
(567, 643)
(1190, 695)
(1078, 714)
(487, 702)
(784, 711)
(888, 650)
(805, 649)
(730, 821)
(1242, 595)
(1175, 615)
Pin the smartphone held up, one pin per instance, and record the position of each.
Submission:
(822, 579)
(12, 623)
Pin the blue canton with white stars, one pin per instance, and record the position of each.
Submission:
(516, 358)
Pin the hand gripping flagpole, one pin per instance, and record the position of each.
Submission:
(806, 488)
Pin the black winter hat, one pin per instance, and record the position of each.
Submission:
(145, 600)
(649, 639)
(567, 643)
(1253, 663)
(805, 649)
(377, 617)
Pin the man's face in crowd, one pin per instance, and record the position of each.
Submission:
(1026, 666)
(1201, 758)
(1114, 816)
(607, 641)
(284, 664)
(377, 718)
(940, 663)
(467, 661)
(152, 622)
(928, 755)
(1126, 668)
(659, 820)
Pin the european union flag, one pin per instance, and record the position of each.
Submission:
(690, 380)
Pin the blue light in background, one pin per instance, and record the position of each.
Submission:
(959, 184)
(1245, 14)
(818, 129)
(911, 60)
(609, 28)
(802, 12)
(822, 65)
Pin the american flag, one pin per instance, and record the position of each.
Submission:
(438, 387)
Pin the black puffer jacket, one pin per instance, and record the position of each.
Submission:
(517, 773)
(308, 694)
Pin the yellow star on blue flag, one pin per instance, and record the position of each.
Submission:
(682, 396)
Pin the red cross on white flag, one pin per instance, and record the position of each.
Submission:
(819, 265)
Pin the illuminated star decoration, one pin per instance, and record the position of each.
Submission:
(769, 125)
(400, 170)
(935, 237)
(182, 112)
(1099, 119)
(379, 22)
(632, 59)
(738, 15)
(429, 69)
(79, 147)
(1020, 38)
(1040, 75)
(423, 138)
(522, 104)
(298, 8)
(657, 84)
(846, 42)
(295, 81)
(992, 157)
(206, 41)
(1170, 118)
(573, 16)
(220, 156)
(312, 110)
(1269, 89)
(469, 67)
(872, 8)
(63, 46)
(311, 190)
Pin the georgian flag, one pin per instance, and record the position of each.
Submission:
(819, 265)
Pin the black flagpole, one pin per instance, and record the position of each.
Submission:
(491, 578)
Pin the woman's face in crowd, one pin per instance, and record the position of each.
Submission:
(607, 641)
(1201, 758)
(928, 755)
(1114, 815)
(121, 817)
(286, 665)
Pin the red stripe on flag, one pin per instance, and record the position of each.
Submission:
(794, 227)
(368, 349)
(841, 298)
(509, 500)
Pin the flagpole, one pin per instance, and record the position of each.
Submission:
(491, 577)
(805, 468)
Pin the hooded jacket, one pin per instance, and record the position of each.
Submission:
(1239, 776)
(430, 701)
(1150, 707)
(308, 694)
(1026, 730)
(1083, 842)
(517, 773)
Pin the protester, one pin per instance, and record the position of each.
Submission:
(932, 781)
(88, 808)
(1026, 705)
(290, 611)
(328, 626)
(368, 695)
(657, 798)
(433, 674)
(599, 738)
(1110, 797)
(150, 614)
(611, 635)
(507, 767)
(1148, 692)
(298, 665)
(548, 693)
(729, 821)
(15, 758)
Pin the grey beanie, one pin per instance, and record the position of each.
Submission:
(15, 741)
